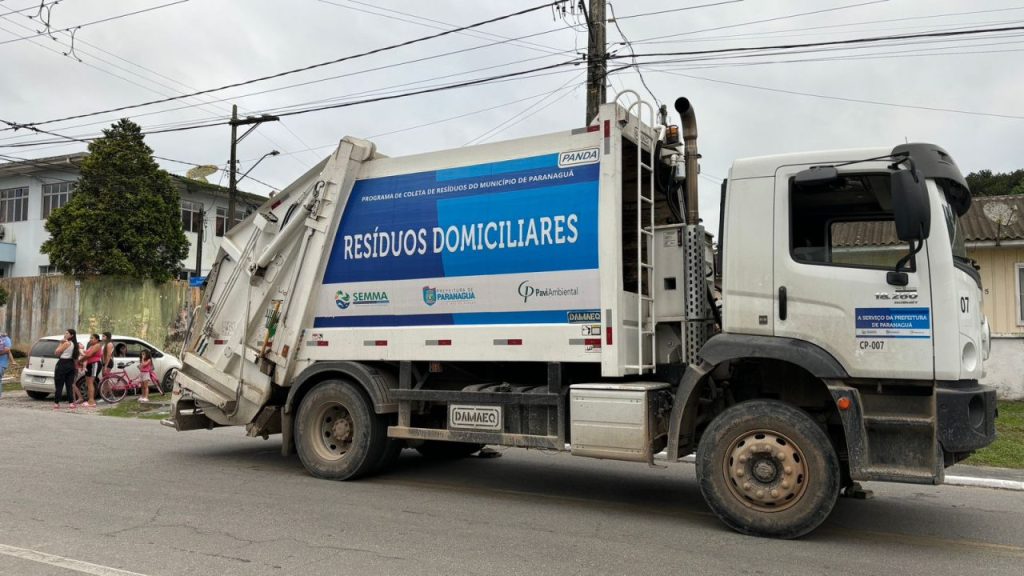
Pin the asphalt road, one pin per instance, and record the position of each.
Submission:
(108, 496)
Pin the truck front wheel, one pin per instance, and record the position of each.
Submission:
(766, 469)
(337, 434)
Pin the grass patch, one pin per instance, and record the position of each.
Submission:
(12, 385)
(130, 408)
(1008, 449)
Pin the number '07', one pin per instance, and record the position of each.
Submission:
(965, 304)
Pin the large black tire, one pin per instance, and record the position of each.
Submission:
(392, 448)
(337, 434)
(37, 395)
(435, 450)
(767, 469)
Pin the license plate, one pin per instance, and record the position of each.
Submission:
(39, 379)
(475, 417)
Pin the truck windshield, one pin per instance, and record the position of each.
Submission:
(956, 236)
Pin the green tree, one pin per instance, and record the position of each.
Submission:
(124, 217)
(987, 183)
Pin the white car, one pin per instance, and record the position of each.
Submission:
(37, 377)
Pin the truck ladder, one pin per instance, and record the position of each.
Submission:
(646, 321)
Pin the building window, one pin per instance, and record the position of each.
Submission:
(49, 270)
(55, 196)
(191, 216)
(14, 205)
(222, 216)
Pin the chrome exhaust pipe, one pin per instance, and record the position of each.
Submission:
(689, 122)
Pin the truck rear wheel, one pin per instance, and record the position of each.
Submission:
(766, 469)
(435, 450)
(337, 434)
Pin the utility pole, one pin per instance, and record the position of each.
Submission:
(199, 240)
(597, 65)
(235, 139)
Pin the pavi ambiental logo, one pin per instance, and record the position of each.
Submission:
(526, 291)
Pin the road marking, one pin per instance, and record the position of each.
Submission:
(62, 562)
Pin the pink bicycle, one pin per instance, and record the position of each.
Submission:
(116, 384)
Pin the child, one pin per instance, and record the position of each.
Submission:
(147, 375)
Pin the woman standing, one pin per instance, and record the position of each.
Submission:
(108, 353)
(91, 360)
(64, 373)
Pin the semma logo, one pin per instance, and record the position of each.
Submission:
(577, 157)
(363, 298)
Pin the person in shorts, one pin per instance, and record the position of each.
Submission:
(92, 361)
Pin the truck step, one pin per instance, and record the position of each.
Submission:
(477, 437)
(902, 474)
(897, 421)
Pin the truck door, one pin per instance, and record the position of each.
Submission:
(834, 245)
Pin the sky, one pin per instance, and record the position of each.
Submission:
(961, 92)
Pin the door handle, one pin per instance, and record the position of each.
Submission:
(782, 303)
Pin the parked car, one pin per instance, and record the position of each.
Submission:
(37, 377)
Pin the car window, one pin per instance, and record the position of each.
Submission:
(45, 349)
(130, 349)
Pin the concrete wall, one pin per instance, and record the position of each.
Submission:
(45, 306)
(1004, 368)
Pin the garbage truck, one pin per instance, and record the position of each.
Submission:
(560, 292)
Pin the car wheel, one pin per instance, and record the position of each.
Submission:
(37, 395)
(167, 384)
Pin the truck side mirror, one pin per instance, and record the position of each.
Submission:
(910, 205)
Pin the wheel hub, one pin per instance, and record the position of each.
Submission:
(336, 431)
(341, 431)
(766, 470)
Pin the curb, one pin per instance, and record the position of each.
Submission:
(966, 481)
(995, 483)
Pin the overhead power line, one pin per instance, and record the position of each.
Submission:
(77, 26)
(852, 41)
(655, 39)
(748, 35)
(440, 88)
(842, 98)
(306, 68)
(422, 21)
(628, 16)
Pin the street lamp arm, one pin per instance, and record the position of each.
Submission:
(271, 153)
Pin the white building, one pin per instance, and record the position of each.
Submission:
(31, 189)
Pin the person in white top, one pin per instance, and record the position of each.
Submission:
(64, 373)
